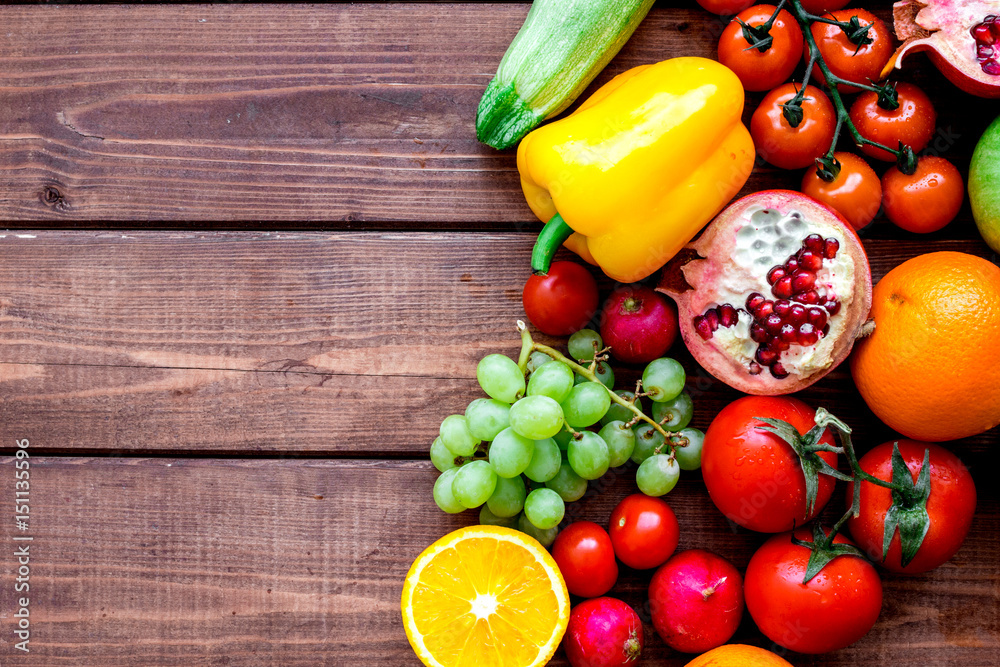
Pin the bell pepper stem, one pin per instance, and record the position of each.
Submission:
(553, 235)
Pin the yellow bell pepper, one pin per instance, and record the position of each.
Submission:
(640, 167)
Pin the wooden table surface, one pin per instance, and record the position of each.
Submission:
(252, 255)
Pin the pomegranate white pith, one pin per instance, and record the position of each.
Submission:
(780, 290)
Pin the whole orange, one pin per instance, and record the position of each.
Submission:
(931, 369)
(738, 655)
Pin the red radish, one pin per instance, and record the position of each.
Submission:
(696, 599)
(638, 323)
(603, 632)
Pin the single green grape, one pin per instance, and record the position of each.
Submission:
(488, 518)
(618, 412)
(508, 497)
(602, 372)
(657, 475)
(562, 439)
(689, 456)
(554, 380)
(486, 417)
(620, 440)
(441, 456)
(584, 343)
(570, 486)
(456, 436)
(545, 462)
(443, 495)
(536, 417)
(663, 379)
(537, 360)
(676, 412)
(586, 404)
(544, 508)
(500, 377)
(588, 455)
(511, 453)
(647, 439)
(544, 537)
(474, 483)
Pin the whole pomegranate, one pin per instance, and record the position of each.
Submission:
(773, 294)
(638, 323)
(603, 632)
(962, 38)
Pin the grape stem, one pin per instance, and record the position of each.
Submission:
(528, 345)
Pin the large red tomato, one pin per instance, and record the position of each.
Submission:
(762, 70)
(754, 477)
(644, 531)
(836, 608)
(586, 558)
(850, 61)
(950, 506)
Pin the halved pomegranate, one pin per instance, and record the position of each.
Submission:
(962, 38)
(773, 294)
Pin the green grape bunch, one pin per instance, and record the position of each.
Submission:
(550, 424)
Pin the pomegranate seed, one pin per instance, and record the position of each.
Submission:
(755, 368)
(817, 317)
(984, 52)
(712, 318)
(803, 280)
(765, 356)
(772, 323)
(775, 274)
(792, 265)
(788, 333)
(981, 33)
(754, 300)
(781, 308)
(830, 248)
(810, 260)
(991, 67)
(832, 307)
(701, 326)
(778, 345)
(758, 333)
(783, 288)
(778, 371)
(807, 334)
(763, 310)
(995, 30)
(814, 242)
(728, 315)
(810, 297)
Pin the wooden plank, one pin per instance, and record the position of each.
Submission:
(336, 115)
(309, 342)
(257, 562)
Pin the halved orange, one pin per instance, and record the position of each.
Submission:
(485, 596)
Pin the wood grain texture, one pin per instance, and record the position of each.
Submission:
(318, 343)
(206, 562)
(336, 115)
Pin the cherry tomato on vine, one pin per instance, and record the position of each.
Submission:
(644, 531)
(586, 558)
(926, 200)
(561, 301)
(856, 193)
(912, 123)
(793, 147)
(834, 609)
(753, 476)
(725, 7)
(839, 54)
(762, 70)
(822, 6)
(950, 506)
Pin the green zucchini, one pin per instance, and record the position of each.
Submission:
(561, 47)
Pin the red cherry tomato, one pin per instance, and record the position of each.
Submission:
(822, 6)
(793, 147)
(950, 506)
(561, 301)
(835, 609)
(586, 558)
(759, 70)
(912, 123)
(856, 193)
(926, 200)
(644, 531)
(753, 476)
(844, 58)
(725, 7)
